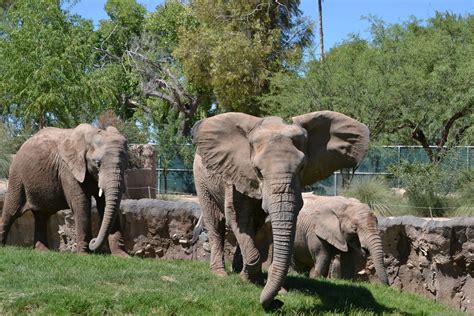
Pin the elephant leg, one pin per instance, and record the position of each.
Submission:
(348, 265)
(336, 267)
(15, 201)
(116, 242)
(322, 261)
(41, 227)
(244, 225)
(81, 208)
(214, 221)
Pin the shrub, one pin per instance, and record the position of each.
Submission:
(465, 196)
(376, 193)
(433, 189)
(5, 151)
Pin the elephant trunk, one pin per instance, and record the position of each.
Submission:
(113, 188)
(373, 242)
(283, 210)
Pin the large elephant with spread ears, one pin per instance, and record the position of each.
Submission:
(63, 168)
(248, 167)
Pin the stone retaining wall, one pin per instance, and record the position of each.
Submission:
(434, 258)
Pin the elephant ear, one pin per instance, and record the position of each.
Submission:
(223, 144)
(335, 141)
(328, 227)
(73, 152)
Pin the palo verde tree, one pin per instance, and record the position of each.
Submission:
(46, 65)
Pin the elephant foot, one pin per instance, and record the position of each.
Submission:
(82, 247)
(120, 253)
(41, 246)
(255, 278)
(314, 274)
(116, 245)
(274, 305)
(219, 272)
(283, 291)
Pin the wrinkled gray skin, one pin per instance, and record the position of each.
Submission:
(247, 167)
(328, 226)
(63, 168)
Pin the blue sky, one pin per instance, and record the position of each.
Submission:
(340, 17)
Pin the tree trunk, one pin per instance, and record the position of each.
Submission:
(321, 35)
(165, 179)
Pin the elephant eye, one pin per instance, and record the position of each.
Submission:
(97, 162)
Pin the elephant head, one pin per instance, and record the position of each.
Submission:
(92, 154)
(348, 223)
(271, 160)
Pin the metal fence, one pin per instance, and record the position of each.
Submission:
(179, 178)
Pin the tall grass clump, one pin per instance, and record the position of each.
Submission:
(465, 196)
(376, 193)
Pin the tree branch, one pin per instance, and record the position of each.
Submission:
(418, 135)
(449, 124)
(161, 95)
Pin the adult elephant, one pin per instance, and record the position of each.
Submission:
(63, 168)
(247, 167)
(328, 226)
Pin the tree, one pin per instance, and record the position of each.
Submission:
(411, 84)
(114, 67)
(173, 145)
(46, 65)
(161, 75)
(237, 46)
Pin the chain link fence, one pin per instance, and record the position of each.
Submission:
(179, 179)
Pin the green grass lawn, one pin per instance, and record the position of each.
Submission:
(67, 283)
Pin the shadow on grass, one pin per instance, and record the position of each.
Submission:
(336, 298)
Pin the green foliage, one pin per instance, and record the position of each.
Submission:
(166, 22)
(465, 195)
(114, 65)
(65, 283)
(46, 65)
(171, 144)
(164, 86)
(376, 193)
(439, 187)
(236, 47)
(411, 83)
(126, 21)
(5, 151)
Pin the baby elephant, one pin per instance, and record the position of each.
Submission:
(328, 226)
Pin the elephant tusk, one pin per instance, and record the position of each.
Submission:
(101, 192)
(183, 241)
